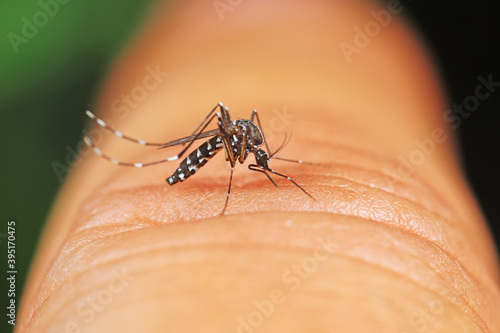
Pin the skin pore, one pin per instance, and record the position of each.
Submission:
(387, 246)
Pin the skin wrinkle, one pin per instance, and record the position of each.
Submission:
(366, 145)
(368, 159)
(474, 316)
(215, 241)
(382, 159)
(381, 214)
(283, 183)
(392, 164)
(363, 206)
(400, 192)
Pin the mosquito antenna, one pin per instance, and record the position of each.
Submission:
(255, 114)
(285, 142)
(119, 134)
(291, 160)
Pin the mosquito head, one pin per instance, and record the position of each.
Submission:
(262, 158)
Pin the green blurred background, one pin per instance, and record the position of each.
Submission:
(45, 87)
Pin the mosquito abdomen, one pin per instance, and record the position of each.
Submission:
(196, 160)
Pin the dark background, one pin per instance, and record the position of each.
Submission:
(46, 86)
(465, 39)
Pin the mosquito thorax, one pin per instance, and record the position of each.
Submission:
(253, 132)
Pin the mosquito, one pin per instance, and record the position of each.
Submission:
(239, 139)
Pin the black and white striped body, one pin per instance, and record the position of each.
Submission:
(196, 159)
(244, 137)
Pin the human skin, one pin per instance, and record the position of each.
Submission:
(405, 251)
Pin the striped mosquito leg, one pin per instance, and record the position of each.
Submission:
(99, 152)
(228, 192)
(220, 106)
(258, 168)
(255, 114)
(119, 134)
(226, 140)
(290, 179)
(197, 159)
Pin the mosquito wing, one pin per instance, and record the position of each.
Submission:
(189, 139)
